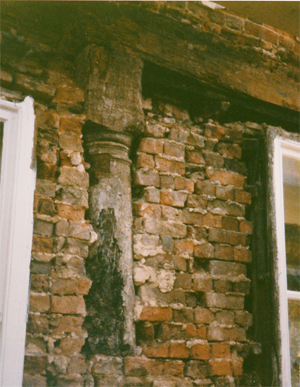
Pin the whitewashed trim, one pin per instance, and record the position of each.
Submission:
(16, 228)
(283, 147)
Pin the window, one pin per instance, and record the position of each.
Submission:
(17, 183)
(286, 183)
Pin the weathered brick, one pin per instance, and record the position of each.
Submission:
(230, 223)
(152, 195)
(228, 208)
(146, 177)
(220, 367)
(44, 206)
(234, 302)
(69, 324)
(196, 369)
(172, 198)
(237, 334)
(69, 96)
(170, 332)
(174, 368)
(39, 302)
(110, 365)
(217, 333)
(224, 252)
(229, 150)
(39, 282)
(215, 300)
(221, 351)
(137, 366)
(171, 228)
(202, 283)
(183, 281)
(213, 159)
(167, 181)
(225, 317)
(213, 131)
(151, 145)
(183, 315)
(45, 187)
(173, 149)
(243, 318)
(38, 323)
(189, 217)
(156, 314)
(229, 269)
(71, 345)
(211, 220)
(203, 316)
(226, 178)
(147, 210)
(71, 176)
(171, 166)
(237, 366)
(261, 32)
(242, 196)
(205, 188)
(242, 255)
(182, 183)
(205, 250)
(224, 193)
(222, 286)
(196, 201)
(145, 161)
(246, 227)
(68, 305)
(144, 332)
(46, 171)
(35, 364)
(229, 237)
(194, 157)
(178, 350)
(242, 287)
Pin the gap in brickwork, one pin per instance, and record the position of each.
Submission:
(202, 100)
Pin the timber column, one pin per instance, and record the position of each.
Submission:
(114, 114)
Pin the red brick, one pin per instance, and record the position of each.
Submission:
(69, 324)
(182, 183)
(183, 315)
(237, 366)
(220, 367)
(243, 318)
(193, 332)
(221, 351)
(175, 150)
(242, 255)
(190, 217)
(213, 131)
(155, 350)
(156, 314)
(70, 212)
(205, 250)
(167, 181)
(78, 286)
(200, 352)
(184, 247)
(202, 283)
(230, 223)
(203, 316)
(171, 166)
(183, 281)
(222, 286)
(242, 196)
(227, 178)
(226, 268)
(237, 334)
(151, 145)
(224, 193)
(174, 368)
(42, 244)
(205, 188)
(246, 227)
(68, 305)
(228, 237)
(226, 207)
(39, 302)
(210, 220)
(224, 252)
(194, 157)
(145, 161)
(179, 351)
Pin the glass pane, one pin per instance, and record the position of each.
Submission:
(291, 182)
(294, 325)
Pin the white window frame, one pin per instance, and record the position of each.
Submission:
(17, 186)
(283, 147)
